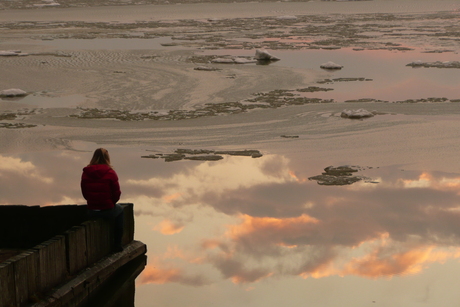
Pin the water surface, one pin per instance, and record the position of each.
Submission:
(258, 232)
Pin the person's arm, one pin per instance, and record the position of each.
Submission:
(83, 187)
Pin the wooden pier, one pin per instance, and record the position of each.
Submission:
(55, 256)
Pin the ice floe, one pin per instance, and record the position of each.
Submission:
(13, 92)
(438, 64)
(264, 55)
(356, 114)
(261, 55)
(341, 175)
(47, 3)
(12, 53)
(233, 60)
(331, 65)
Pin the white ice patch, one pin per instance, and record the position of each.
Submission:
(9, 52)
(264, 55)
(360, 113)
(233, 60)
(331, 65)
(12, 92)
(47, 3)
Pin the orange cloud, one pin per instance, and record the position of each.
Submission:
(294, 176)
(403, 263)
(167, 227)
(269, 225)
(154, 275)
(170, 198)
(321, 270)
(174, 252)
(159, 272)
(427, 180)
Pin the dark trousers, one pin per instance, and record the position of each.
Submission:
(116, 216)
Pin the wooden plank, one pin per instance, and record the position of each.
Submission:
(21, 277)
(99, 237)
(128, 227)
(33, 280)
(74, 291)
(76, 249)
(52, 262)
(7, 253)
(7, 285)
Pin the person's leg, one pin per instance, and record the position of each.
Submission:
(116, 217)
(118, 225)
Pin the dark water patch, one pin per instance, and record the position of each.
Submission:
(16, 125)
(46, 100)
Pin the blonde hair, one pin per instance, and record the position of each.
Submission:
(100, 156)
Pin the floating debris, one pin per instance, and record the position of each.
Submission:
(312, 89)
(16, 125)
(365, 100)
(250, 153)
(206, 68)
(428, 100)
(341, 175)
(437, 64)
(438, 51)
(7, 116)
(233, 60)
(205, 158)
(289, 136)
(194, 151)
(342, 80)
(202, 154)
(272, 99)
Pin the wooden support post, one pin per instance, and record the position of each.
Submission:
(128, 227)
(76, 249)
(99, 237)
(7, 285)
(52, 262)
(21, 277)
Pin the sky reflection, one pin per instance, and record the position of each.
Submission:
(391, 79)
(246, 220)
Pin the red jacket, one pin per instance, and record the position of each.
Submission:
(100, 187)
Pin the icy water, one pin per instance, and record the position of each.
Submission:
(246, 231)
(386, 76)
(374, 74)
(257, 232)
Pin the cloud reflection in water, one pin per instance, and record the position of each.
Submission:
(247, 220)
(281, 224)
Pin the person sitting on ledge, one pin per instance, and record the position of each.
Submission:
(100, 188)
